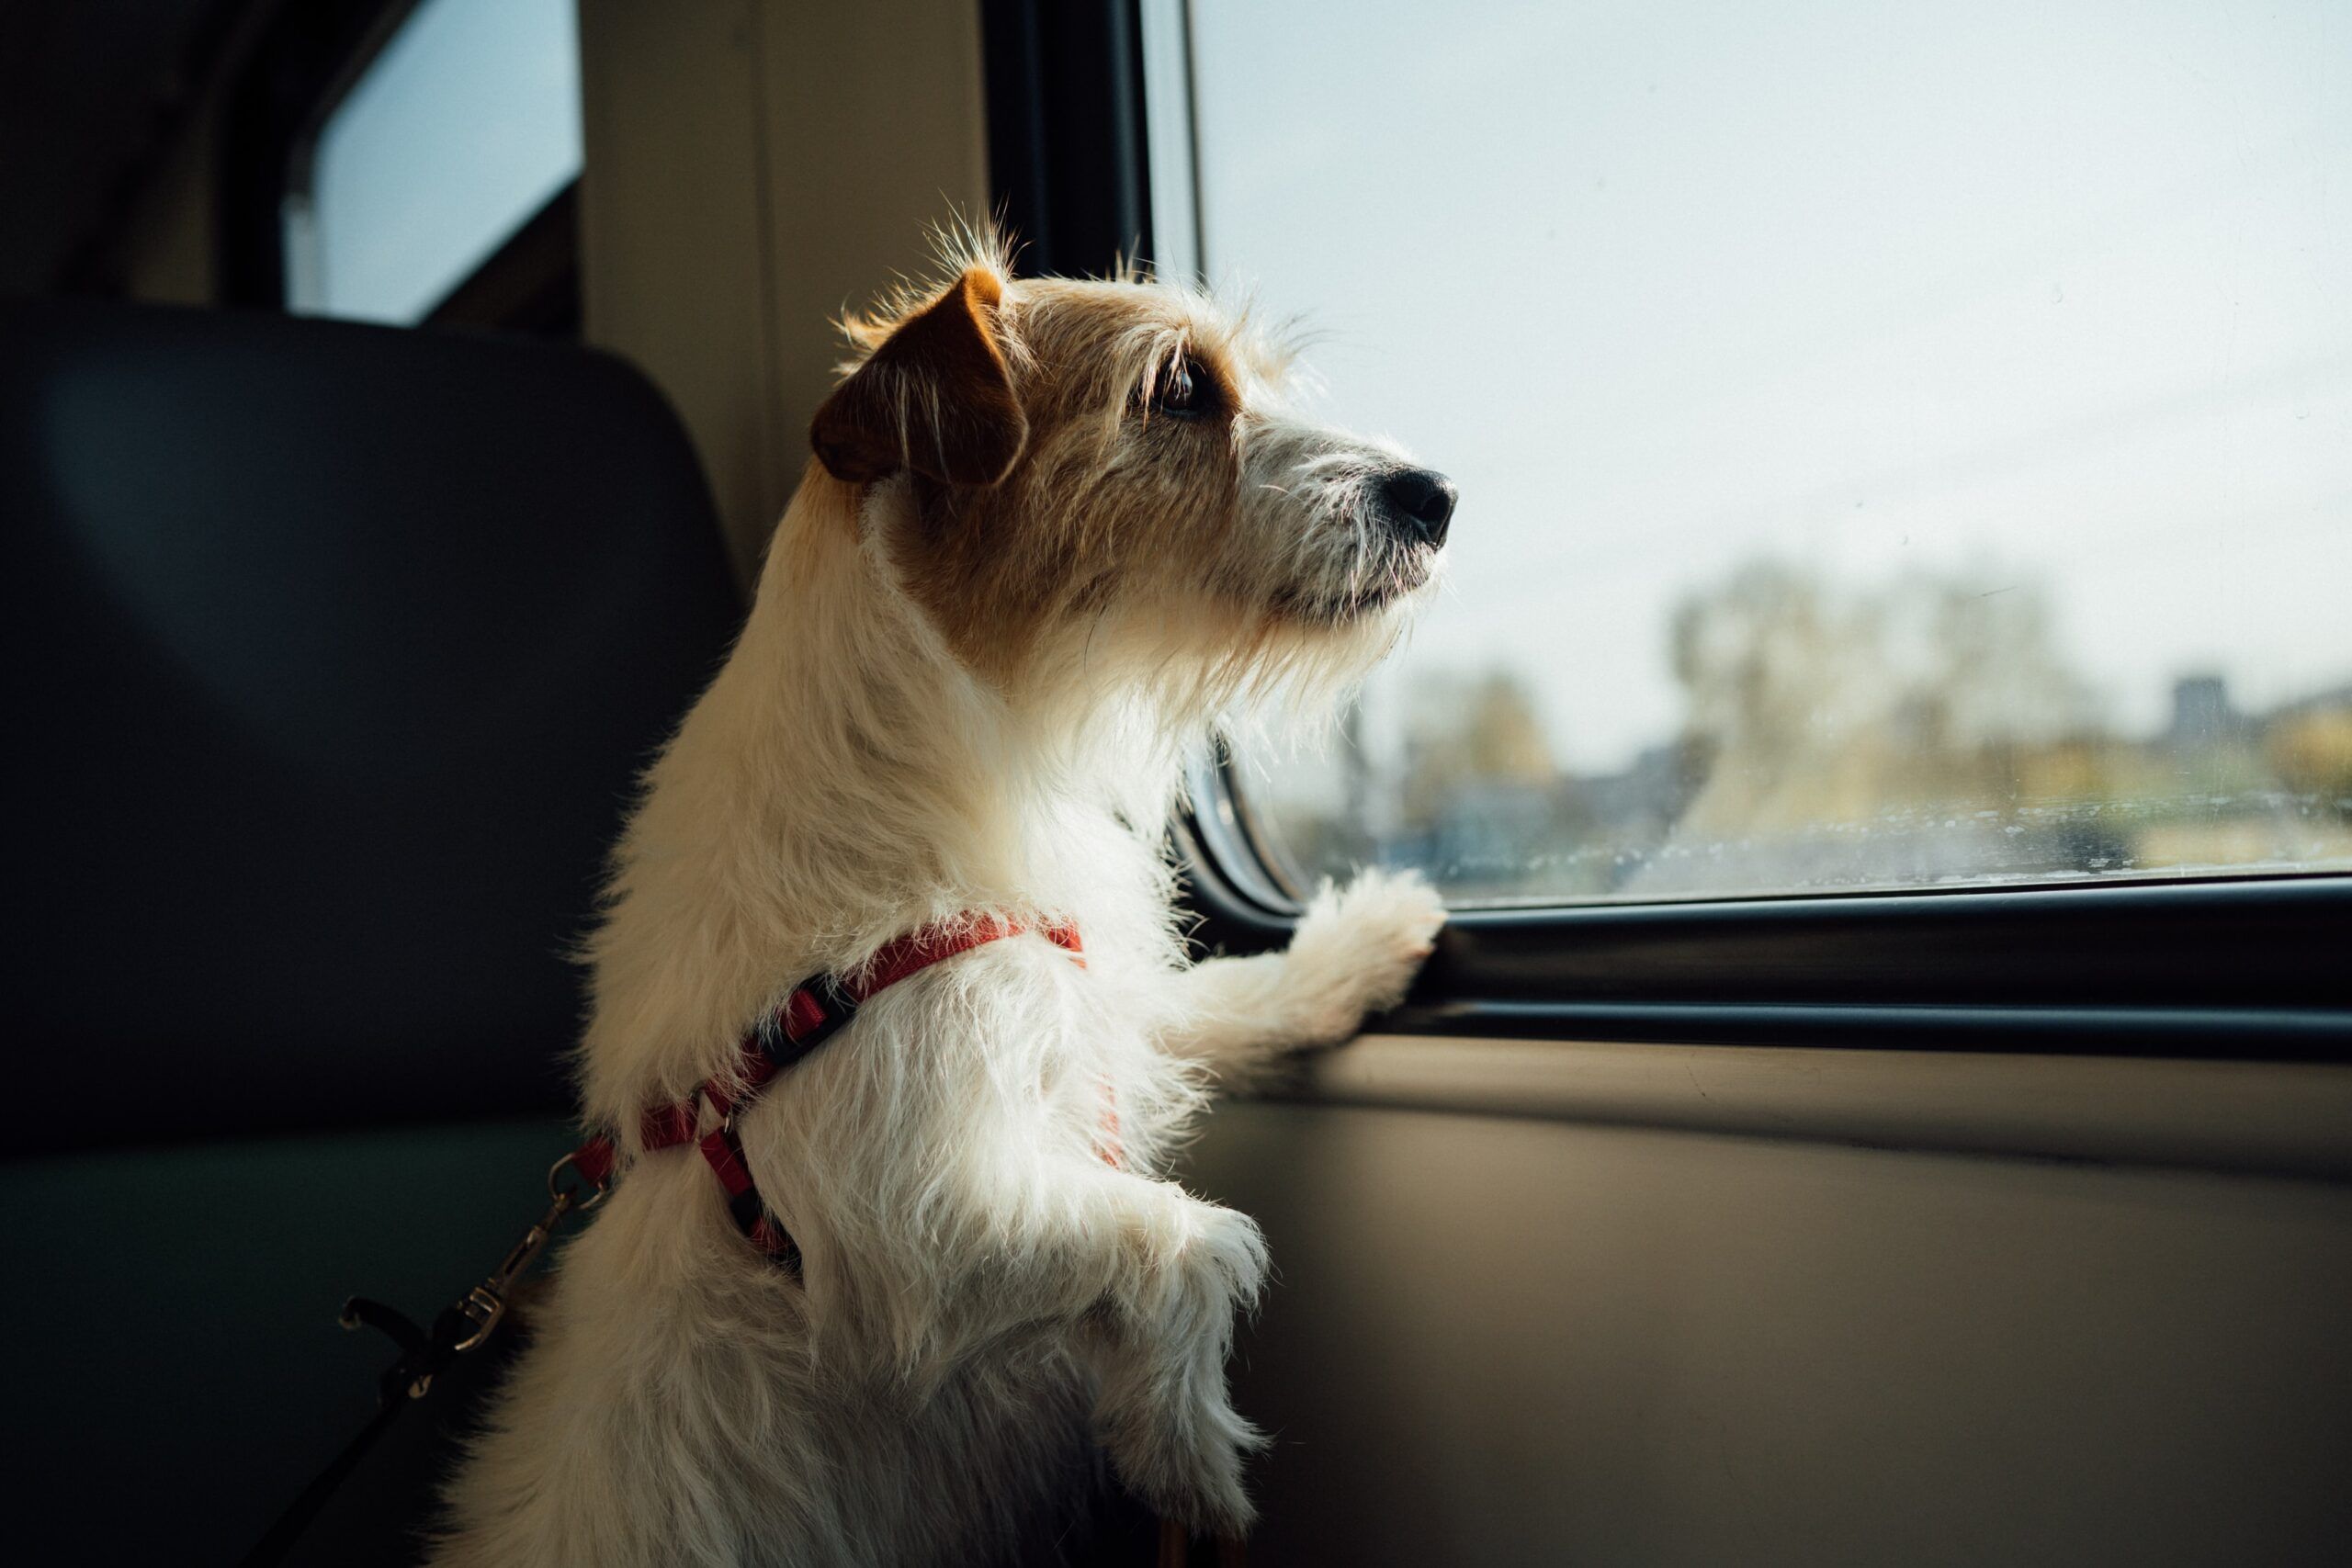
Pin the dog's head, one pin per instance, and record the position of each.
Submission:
(1115, 465)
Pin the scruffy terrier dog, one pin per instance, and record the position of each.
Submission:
(1055, 532)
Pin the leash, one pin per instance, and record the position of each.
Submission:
(465, 1324)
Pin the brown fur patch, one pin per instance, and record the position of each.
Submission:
(936, 397)
(1109, 504)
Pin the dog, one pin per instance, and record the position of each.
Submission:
(1054, 534)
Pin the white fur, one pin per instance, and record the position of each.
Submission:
(984, 1297)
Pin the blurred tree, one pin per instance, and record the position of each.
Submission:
(1483, 730)
(2311, 751)
(1821, 708)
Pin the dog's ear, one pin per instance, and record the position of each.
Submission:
(936, 398)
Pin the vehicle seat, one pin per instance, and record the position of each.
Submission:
(333, 653)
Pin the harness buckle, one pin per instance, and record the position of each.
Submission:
(815, 1011)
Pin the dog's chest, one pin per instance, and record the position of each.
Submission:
(1017, 1045)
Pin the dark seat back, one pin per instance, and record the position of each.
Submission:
(332, 656)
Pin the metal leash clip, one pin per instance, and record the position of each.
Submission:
(485, 1304)
(462, 1325)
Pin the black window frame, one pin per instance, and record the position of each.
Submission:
(2245, 968)
(299, 72)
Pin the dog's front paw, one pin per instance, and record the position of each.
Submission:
(1169, 1427)
(1358, 949)
(1187, 1463)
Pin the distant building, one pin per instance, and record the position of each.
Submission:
(2202, 713)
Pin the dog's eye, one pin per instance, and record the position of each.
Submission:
(1184, 391)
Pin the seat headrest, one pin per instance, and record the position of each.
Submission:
(333, 654)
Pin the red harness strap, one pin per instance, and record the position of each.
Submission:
(817, 1008)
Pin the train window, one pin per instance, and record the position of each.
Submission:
(460, 130)
(1900, 446)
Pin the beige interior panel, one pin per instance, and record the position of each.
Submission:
(2275, 1118)
(1502, 1338)
(755, 168)
(674, 271)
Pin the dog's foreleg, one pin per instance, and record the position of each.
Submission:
(1355, 952)
(1156, 1276)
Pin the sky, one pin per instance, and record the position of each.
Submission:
(2056, 293)
(466, 124)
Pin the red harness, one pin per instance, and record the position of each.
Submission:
(817, 1008)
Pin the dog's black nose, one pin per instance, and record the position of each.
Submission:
(1419, 502)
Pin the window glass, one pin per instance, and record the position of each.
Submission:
(1900, 443)
(466, 124)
